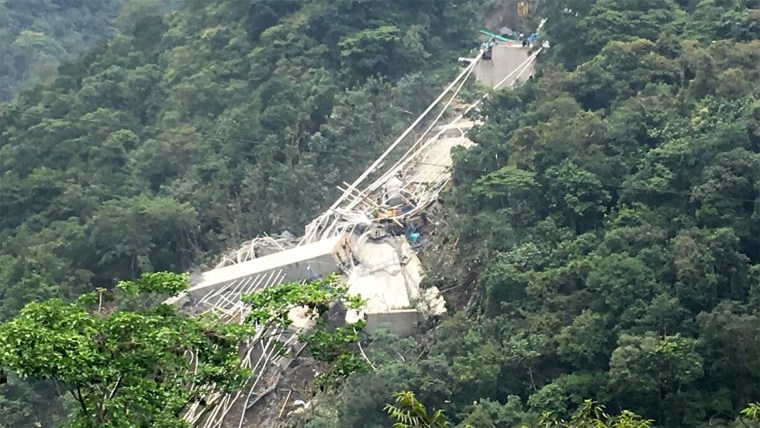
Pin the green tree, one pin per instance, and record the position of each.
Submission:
(577, 194)
(585, 340)
(124, 367)
(38, 35)
(752, 412)
(410, 413)
(143, 367)
(592, 415)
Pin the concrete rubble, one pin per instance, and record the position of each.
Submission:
(388, 278)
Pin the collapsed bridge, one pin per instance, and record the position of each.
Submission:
(370, 236)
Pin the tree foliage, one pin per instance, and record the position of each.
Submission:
(410, 413)
(143, 367)
(37, 35)
(189, 132)
(125, 368)
(605, 228)
(592, 415)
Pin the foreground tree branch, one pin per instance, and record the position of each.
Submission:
(131, 367)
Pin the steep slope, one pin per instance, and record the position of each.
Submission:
(37, 35)
(609, 215)
(208, 127)
(191, 132)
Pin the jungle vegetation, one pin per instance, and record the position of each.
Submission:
(605, 229)
(125, 359)
(37, 35)
(188, 132)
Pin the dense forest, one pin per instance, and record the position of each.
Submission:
(190, 132)
(37, 35)
(202, 129)
(605, 230)
(608, 227)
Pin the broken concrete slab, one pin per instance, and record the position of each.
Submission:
(302, 263)
(399, 322)
(388, 277)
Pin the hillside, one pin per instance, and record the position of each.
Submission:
(37, 35)
(609, 218)
(605, 229)
(204, 129)
(189, 133)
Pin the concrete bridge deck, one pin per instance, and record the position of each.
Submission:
(505, 58)
(302, 263)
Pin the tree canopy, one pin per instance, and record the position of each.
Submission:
(185, 133)
(143, 366)
(37, 35)
(605, 228)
